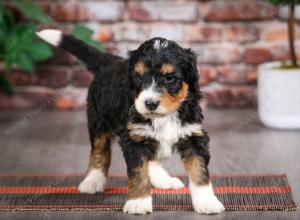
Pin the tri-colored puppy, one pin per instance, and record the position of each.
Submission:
(151, 102)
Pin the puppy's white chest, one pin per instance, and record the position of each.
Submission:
(167, 131)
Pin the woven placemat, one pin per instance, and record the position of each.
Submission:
(59, 192)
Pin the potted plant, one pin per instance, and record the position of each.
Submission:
(19, 46)
(279, 83)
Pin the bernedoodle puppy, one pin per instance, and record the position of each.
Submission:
(150, 101)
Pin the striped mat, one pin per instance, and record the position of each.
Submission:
(59, 192)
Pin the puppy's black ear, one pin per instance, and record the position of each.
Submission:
(190, 69)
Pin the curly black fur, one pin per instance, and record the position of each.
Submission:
(116, 84)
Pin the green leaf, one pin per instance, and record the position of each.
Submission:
(39, 51)
(32, 11)
(85, 34)
(7, 64)
(23, 49)
(82, 32)
(6, 20)
(6, 86)
(19, 36)
(24, 62)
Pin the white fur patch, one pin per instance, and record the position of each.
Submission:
(160, 44)
(138, 206)
(94, 182)
(159, 177)
(51, 36)
(204, 199)
(167, 130)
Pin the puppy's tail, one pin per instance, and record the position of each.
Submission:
(92, 57)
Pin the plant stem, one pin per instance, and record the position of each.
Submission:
(291, 31)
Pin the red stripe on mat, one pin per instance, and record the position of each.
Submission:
(74, 190)
(121, 206)
(124, 175)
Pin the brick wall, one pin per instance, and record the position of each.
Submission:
(231, 37)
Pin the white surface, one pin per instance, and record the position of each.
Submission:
(279, 96)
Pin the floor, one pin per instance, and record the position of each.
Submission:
(57, 142)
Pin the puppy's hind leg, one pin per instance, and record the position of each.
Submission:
(100, 157)
(159, 177)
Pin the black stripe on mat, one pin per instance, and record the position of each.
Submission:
(232, 201)
(120, 181)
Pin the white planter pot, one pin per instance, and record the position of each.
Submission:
(279, 96)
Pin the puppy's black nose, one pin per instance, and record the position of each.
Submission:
(151, 105)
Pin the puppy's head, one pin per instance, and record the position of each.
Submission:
(162, 73)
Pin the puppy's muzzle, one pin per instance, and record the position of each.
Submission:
(151, 105)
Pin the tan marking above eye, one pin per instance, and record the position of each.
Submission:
(140, 68)
(172, 103)
(167, 68)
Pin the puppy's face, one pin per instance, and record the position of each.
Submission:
(159, 74)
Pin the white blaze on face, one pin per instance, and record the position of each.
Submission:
(160, 44)
(149, 93)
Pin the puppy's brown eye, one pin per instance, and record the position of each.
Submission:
(169, 78)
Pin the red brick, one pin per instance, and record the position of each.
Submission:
(241, 33)
(171, 31)
(71, 98)
(121, 48)
(163, 10)
(207, 74)
(277, 32)
(233, 74)
(130, 32)
(61, 57)
(20, 78)
(237, 10)
(45, 6)
(217, 54)
(29, 98)
(104, 34)
(65, 11)
(106, 11)
(257, 55)
(52, 76)
(274, 32)
(203, 33)
(281, 51)
(252, 75)
(231, 97)
(82, 77)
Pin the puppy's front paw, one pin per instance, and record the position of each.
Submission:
(176, 183)
(208, 205)
(138, 206)
(167, 183)
(91, 187)
(94, 182)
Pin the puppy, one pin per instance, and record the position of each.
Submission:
(151, 102)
